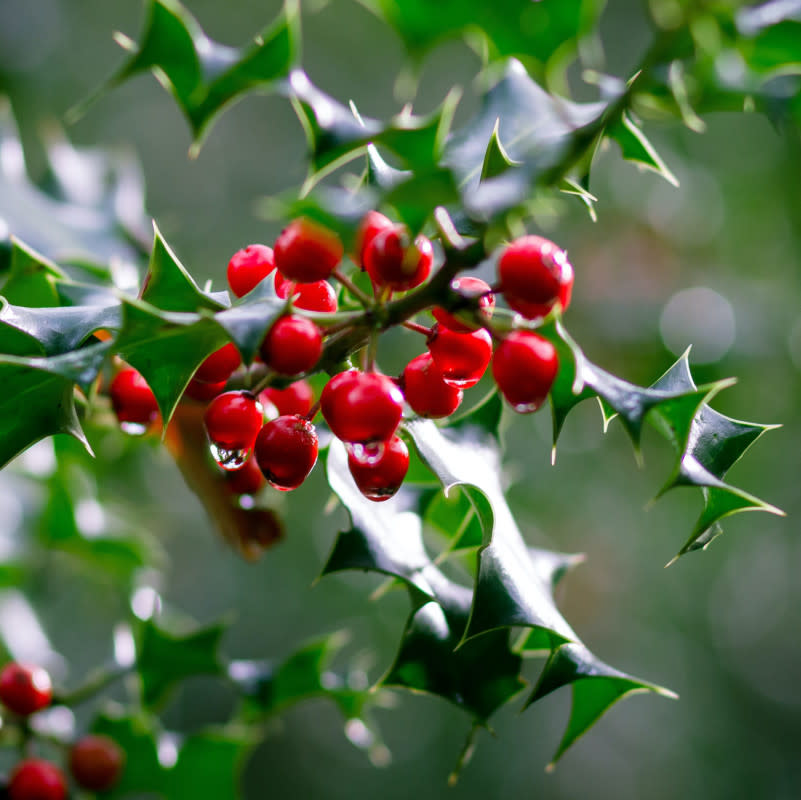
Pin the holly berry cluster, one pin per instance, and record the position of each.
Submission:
(362, 407)
(94, 762)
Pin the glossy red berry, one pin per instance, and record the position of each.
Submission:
(233, 421)
(381, 477)
(524, 367)
(204, 392)
(393, 260)
(462, 358)
(306, 251)
(96, 762)
(248, 479)
(468, 287)
(37, 779)
(297, 398)
(425, 390)
(292, 345)
(25, 688)
(219, 365)
(361, 407)
(286, 451)
(535, 274)
(132, 399)
(317, 296)
(373, 223)
(248, 267)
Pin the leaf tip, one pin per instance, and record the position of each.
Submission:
(673, 560)
(124, 41)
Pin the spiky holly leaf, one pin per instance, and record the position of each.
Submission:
(209, 765)
(92, 201)
(455, 517)
(480, 675)
(249, 319)
(533, 30)
(32, 278)
(164, 658)
(596, 687)
(142, 773)
(168, 284)
(204, 76)
(635, 147)
(167, 348)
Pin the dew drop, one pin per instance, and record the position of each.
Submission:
(526, 408)
(460, 383)
(229, 459)
(367, 454)
(380, 493)
(133, 428)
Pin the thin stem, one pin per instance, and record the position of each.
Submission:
(413, 326)
(313, 411)
(361, 296)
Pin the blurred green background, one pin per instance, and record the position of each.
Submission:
(713, 264)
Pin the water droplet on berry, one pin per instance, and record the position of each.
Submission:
(367, 454)
(229, 459)
(463, 383)
(379, 493)
(526, 408)
(133, 428)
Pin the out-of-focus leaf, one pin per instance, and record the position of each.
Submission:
(32, 279)
(167, 348)
(164, 659)
(204, 76)
(634, 146)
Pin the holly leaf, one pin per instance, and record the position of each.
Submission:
(596, 687)
(167, 348)
(204, 76)
(164, 659)
(535, 31)
(635, 147)
(32, 278)
(169, 286)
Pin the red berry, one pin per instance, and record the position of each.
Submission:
(468, 287)
(204, 392)
(373, 222)
(297, 398)
(219, 365)
(382, 476)
(24, 688)
(425, 390)
(462, 358)
(286, 451)
(233, 421)
(524, 367)
(96, 762)
(306, 252)
(317, 296)
(535, 274)
(37, 779)
(248, 267)
(132, 399)
(392, 260)
(361, 407)
(292, 345)
(245, 480)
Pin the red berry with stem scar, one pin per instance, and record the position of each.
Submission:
(462, 358)
(373, 223)
(96, 762)
(292, 345)
(317, 296)
(286, 451)
(132, 399)
(477, 294)
(392, 259)
(37, 779)
(306, 251)
(248, 267)
(25, 688)
(233, 421)
(361, 407)
(426, 391)
(525, 366)
(297, 398)
(535, 274)
(380, 478)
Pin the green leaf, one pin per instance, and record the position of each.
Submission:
(496, 159)
(31, 279)
(203, 75)
(536, 31)
(454, 515)
(164, 659)
(169, 286)
(635, 147)
(166, 348)
(209, 765)
(249, 319)
(596, 687)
